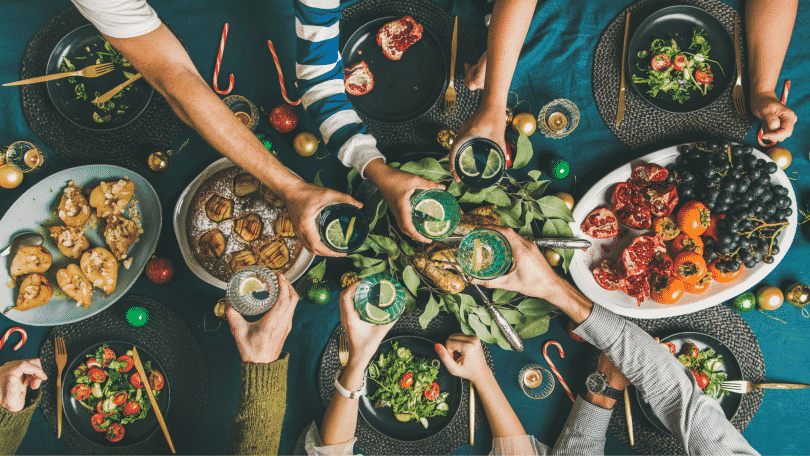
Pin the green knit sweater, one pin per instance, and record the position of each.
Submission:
(256, 422)
(14, 425)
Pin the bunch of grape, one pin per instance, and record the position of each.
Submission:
(730, 181)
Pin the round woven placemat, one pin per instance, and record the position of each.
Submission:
(719, 322)
(167, 338)
(370, 440)
(643, 124)
(127, 146)
(418, 134)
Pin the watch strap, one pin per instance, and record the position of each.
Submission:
(609, 392)
(346, 393)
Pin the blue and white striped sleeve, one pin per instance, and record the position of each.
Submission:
(319, 68)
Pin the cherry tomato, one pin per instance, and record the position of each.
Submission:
(156, 380)
(135, 380)
(109, 355)
(99, 422)
(694, 218)
(660, 62)
(120, 397)
(571, 332)
(670, 347)
(666, 228)
(101, 411)
(722, 276)
(93, 363)
(127, 359)
(132, 408)
(680, 62)
(701, 379)
(82, 370)
(432, 392)
(701, 285)
(690, 267)
(689, 349)
(686, 243)
(80, 392)
(406, 381)
(704, 77)
(666, 289)
(115, 432)
(97, 375)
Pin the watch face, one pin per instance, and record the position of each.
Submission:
(595, 383)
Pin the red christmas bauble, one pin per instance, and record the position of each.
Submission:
(509, 153)
(159, 270)
(283, 118)
(571, 332)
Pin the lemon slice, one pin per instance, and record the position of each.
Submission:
(482, 256)
(436, 229)
(376, 314)
(431, 207)
(251, 284)
(494, 164)
(466, 163)
(335, 235)
(388, 294)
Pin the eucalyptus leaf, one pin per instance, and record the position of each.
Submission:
(554, 207)
(455, 188)
(467, 301)
(386, 243)
(480, 329)
(526, 230)
(512, 316)
(500, 339)
(410, 304)
(429, 168)
(475, 196)
(382, 207)
(317, 180)
(318, 271)
(508, 219)
(517, 208)
(524, 152)
(503, 296)
(498, 197)
(406, 249)
(483, 315)
(567, 255)
(350, 177)
(411, 280)
(371, 270)
(556, 228)
(533, 328)
(537, 187)
(534, 307)
(535, 174)
(361, 261)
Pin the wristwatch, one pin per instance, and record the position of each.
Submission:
(346, 393)
(597, 383)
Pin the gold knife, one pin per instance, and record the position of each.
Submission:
(145, 382)
(472, 414)
(620, 109)
(629, 416)
(113, 92)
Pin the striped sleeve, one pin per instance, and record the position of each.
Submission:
(319, 68)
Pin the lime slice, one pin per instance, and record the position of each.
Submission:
(375, 314)
(388, 294)
(466, 163)
(482, 256)
(249, 285)
(431, 207)
(335, 235)
(436, 229)
(494, 164)
(404, 417)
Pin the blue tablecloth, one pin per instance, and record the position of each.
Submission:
(555, 63)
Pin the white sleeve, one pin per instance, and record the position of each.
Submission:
(314, 446)
(119, 18)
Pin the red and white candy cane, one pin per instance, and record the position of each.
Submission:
(281, 76)
(219, 62)
(554, 369)
(760, 139)
(12, 331)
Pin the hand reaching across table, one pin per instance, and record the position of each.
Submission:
(777, 119)
(15, 379)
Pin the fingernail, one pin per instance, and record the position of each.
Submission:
(438, 348)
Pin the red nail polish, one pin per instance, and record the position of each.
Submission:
(438, 348)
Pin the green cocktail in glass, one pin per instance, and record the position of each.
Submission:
(480, 163)
(343, 227)
(379, 299)
(485, 254)
(435, 213)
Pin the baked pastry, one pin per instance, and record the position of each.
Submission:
(398, 35)
(358, 79)
(218, 208)
(111, 198)
(274, 254)
(70, 241)
(101, 268)
(245, 185)
(119, 234)
(30, 259)
(249, 226)
(241, 259)
(73, 282)
(73, 208)
(270, 198)
(35, 291)
(283, 226)
(212, 244)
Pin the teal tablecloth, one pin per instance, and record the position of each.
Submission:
(556, 63)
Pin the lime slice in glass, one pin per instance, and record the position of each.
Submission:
(494, 164)
(376, 314)
(249, 285)
(388, 294)
(431, 207)
(466, 163)
(335, 235)
(437, 228)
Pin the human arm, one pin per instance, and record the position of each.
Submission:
(256, 422)
(768, 26)
(15, 412)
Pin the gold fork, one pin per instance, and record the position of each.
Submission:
(114, 91)
(738, 95)
(89, 72)
(450, 94)
(343, 350)
(744, 386)
(61, 360)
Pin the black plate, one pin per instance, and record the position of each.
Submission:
(383, 420)
(677, 22)
(79, 417)
(730, 403)
(403, 89)
(63, 94)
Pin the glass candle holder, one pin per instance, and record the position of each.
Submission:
(558, 119)
(536, 381)
(244, 109)
(26, 157)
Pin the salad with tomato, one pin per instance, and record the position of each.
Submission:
(408, 385)
(706, 365)
(110, 387)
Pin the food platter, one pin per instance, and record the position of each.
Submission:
(622, 304)
(36, 207)
(182, 212)
(731, 365)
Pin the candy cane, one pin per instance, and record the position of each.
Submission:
(760, 140)
(219, 62)
(281, 76)
(554, 369)
(12, 331)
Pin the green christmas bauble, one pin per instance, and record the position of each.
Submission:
(559, 168)
(137, 316)
(744, 302)
(318, 293)
(267, 142)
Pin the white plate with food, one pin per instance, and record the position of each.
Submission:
(226, 220)
(108, 235)
(611, 248)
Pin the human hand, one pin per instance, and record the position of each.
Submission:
(486, 122)
(363, 337)
(260, 342)
(397, 187)
(463, 357)
(15, 377)
(474, 76)
(615, 377)
(777, 119)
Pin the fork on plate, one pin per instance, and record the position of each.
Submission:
(61, 359)
(92, 71)
(450, 94)
(738, 95)
(744, 386)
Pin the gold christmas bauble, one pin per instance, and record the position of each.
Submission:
(348, 279)
(158, 161)
(524, 123)
(797, 294)
(446, 138)
(769, 298)
(219, 308)
(781, 156)
(509, 115)
(567, 199)
(553, 258)
(10, 177)
(305, 144)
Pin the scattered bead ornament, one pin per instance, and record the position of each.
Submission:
(567, 199)
(554, 369)
(446, 138)
(159, 271)
(536, 381)
(780, 156)
(137, 317)
(744, 302)
(348, 278)
(10, 177)
(524, 123)
(305, 144)
(558, 168)
(318, 293)
(158, 161)
(769, 298)
(219, 63)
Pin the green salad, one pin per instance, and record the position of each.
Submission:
(408, 385)
(677, 71)
(706, 366)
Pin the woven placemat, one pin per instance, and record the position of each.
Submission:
(154, 129)
(418, 134)
(643, 124)
(371, 441)
(719, 322)
(167, 338)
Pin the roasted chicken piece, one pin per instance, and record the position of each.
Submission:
(120, 233)
(249, 226)
(444, 259)
(212, 244)
(111, 198)
(274, 254)
(101, 268)
(70, 241)
(241, 259)
(30, 259)
(73, 282)
(73, 208)
(283, 226)
(271, 198)
(469, 222)
(444, 279)
(35, 291)
(218, 208)
(245, 185)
